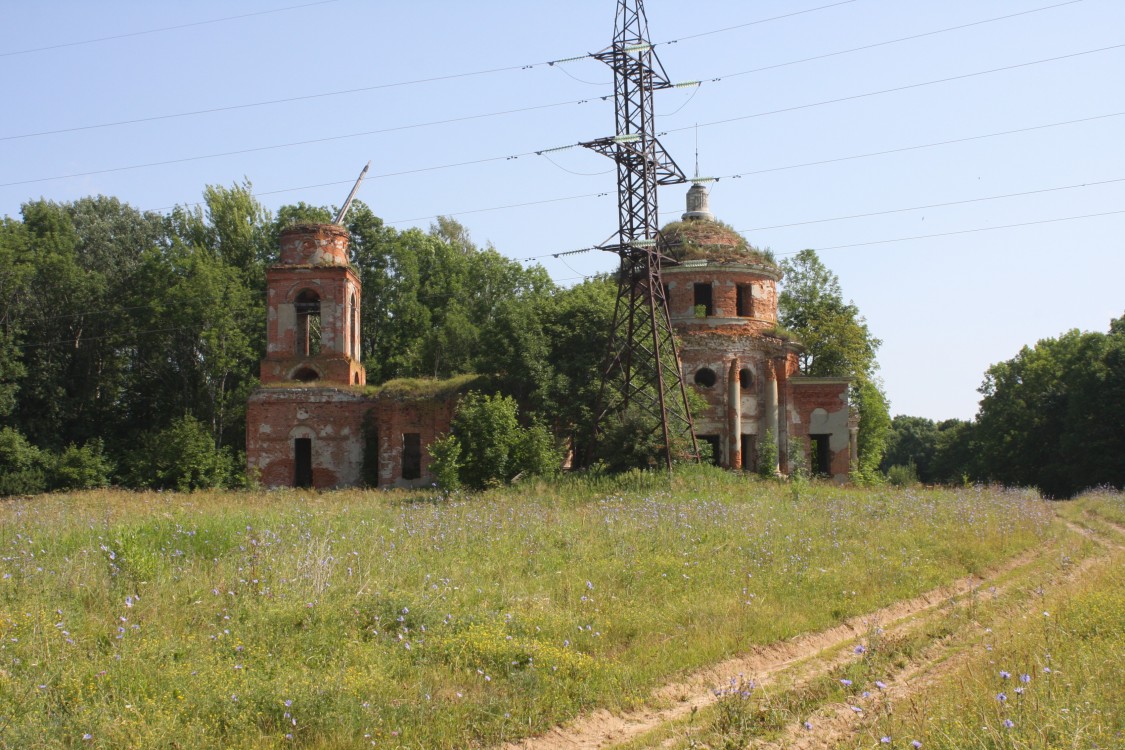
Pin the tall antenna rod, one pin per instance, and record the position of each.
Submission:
(642, 362)
(697, 150)
(351, 196)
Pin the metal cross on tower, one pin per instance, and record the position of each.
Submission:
(643, 363)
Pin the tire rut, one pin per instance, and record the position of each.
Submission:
(602, 728)
(839, 722)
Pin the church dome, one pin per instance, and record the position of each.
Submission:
(700, 237)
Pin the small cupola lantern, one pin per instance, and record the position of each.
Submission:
(697, 204)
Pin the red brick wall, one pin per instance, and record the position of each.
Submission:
(332, 418)
(336, 420)
(832, 397)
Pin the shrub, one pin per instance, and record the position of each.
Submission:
(493, 448)
(21, 465)
(446, 464)
(903, 476)
(631, 440)
(767, 455)
(182, 457)
(80, 468)
(536, 452)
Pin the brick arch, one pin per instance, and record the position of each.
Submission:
(304, 368)
(311, 285)
(302, 431)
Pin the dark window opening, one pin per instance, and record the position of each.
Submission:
(353, 337)
(716, 456)
(705, 377)
(667, 295)
(821, 458)
(356, 380)
(308, 323)
(749, 455)
(306, 375)
(703, 300)
(302, 462)
(411, 455)
(370, 451)
(745, 378)
(745, 301)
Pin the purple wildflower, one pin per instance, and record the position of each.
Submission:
(915, 744)
(1001, 697)
(845, 682)
(1008, 723)
(1005, 675)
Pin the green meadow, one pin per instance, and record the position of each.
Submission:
(1043, 669)
(412, 620)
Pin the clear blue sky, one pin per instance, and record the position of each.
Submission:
(945, 306)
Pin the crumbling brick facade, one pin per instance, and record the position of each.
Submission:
(722, 299)
(313, 422)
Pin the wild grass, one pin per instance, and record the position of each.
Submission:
(1046, 673)
(395, 619)
(1103, 504)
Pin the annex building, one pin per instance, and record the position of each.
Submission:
(313, 422)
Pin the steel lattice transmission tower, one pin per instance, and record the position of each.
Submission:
(643, 364)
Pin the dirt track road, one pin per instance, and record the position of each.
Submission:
(801, 659)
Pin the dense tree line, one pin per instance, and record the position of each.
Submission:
(130, 341)
(1052, 417)
(127, 337)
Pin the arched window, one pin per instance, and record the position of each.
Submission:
(307, 305)
(306, 375)
(705, 377)
(354, 331)
(745, 378)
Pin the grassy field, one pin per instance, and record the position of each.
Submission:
(1043, 671)
(381, 619)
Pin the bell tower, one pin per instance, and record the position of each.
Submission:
(313, 295)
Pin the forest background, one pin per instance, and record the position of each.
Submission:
(130, 340)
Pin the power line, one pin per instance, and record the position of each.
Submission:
(487, 71)
(881, 213)
(735, 176)
(552, 105)
(755, 23)
(501, 208)
(773, 226)
(292, 144)
(897, 239)
(935, 205)
(362, 89)
(267, 102)
(896, 88)
(161, 29)
(925, 145)
(964, 231)
(901, 39)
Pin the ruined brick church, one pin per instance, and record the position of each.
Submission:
(314, 423)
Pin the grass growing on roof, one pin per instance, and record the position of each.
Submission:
(403, 619)
(424, 388)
